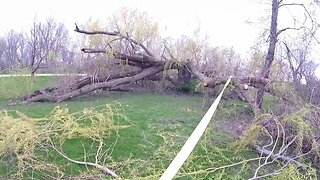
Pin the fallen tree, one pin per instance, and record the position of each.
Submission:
(143, 64)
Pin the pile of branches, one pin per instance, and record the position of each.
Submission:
(144, 65)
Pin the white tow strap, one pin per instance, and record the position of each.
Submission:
(187, 148)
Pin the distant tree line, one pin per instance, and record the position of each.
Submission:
(45, 47)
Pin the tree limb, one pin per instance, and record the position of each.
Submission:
(102, 168)
(290, 28)
(140, 58)
(118, 34)
(110, 84)
(278, 156)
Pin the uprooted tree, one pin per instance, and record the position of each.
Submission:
(133, 52)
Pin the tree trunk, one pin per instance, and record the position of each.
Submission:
(265, 72)
(184, 75)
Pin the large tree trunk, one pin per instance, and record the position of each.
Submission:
(184, 75)
(265, 72)
(85, 86)
(110, 84)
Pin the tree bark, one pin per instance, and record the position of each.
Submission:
(265, 72)
(184, 75)
(110, 84)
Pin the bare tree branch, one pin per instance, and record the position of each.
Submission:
(102, 168)
(115, 34)
(301, 5)
(290, 4)
(290, 28)
(278, 156)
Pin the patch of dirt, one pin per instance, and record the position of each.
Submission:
(234, 126)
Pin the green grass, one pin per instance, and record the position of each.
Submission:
(158, 127)
(14, 87)
(148, 115)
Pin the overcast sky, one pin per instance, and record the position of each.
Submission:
(235, 23)
(223, 21)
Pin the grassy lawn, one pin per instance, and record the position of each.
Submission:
(158, 125)
(15, 87)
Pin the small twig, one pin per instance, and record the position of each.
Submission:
(287, 146)
(98, 151)
(284, 166)
(311, 94)
(210, 170)
(102, 168)
(168, 50)
(264, 147)
(109, 151)
(266, 161)
(84, 155)
(147, 139)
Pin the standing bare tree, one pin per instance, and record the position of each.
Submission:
(298, 55)
(307, 24)
(45, 42)
(15, 49)
(2, 50)
(271, 50)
